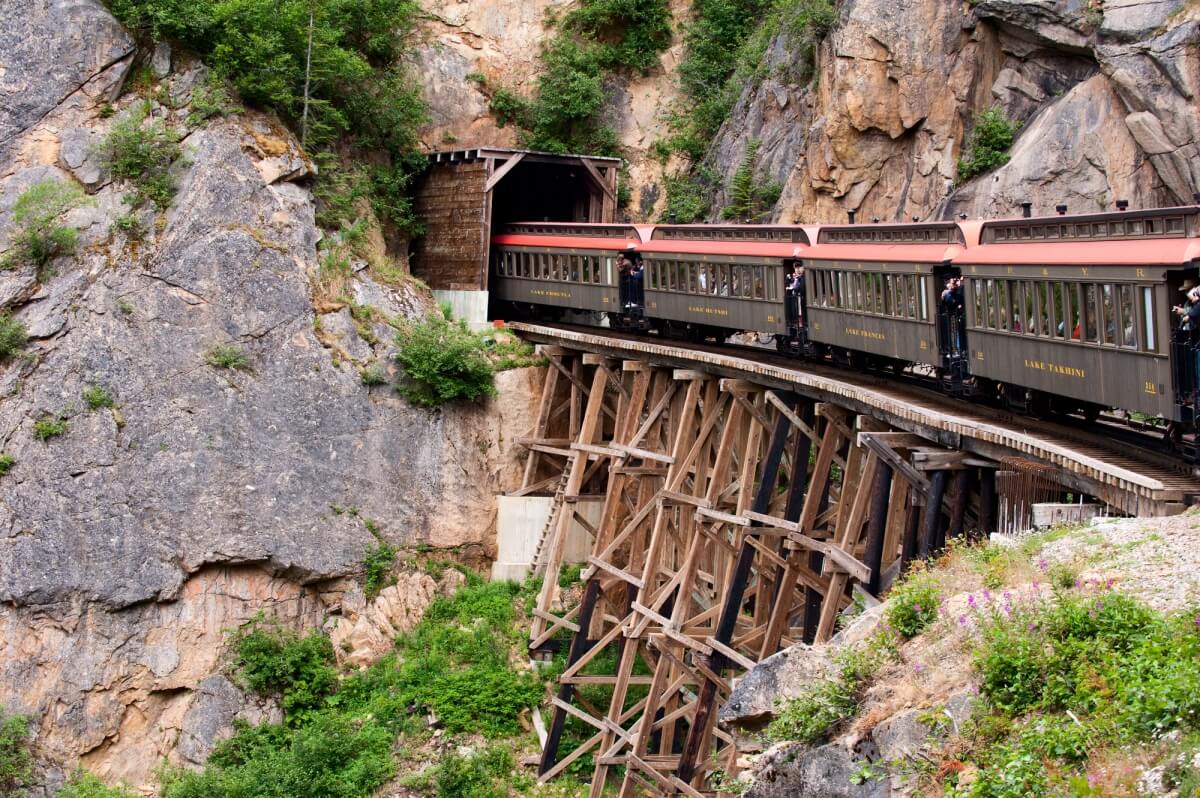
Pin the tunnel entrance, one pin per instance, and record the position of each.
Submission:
(467, 195)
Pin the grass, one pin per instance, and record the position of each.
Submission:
(38, 235)
(96, 397)
(7, 461)
(373, 374)
(49, 427)
(914, 604)
(84, 785)
(227, 356)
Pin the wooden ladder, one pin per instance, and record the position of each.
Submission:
(538, 566)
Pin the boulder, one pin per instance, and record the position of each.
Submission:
(52, 49)
(793, 770)
(755, 697)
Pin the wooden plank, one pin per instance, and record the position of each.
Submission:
(503, 171)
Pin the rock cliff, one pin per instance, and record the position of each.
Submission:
(1104, 91)
(1104, 94)
(133, 541)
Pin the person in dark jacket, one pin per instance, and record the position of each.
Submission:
(795, 290)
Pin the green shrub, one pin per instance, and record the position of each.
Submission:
(84, 785)
(914, 605)
(274, 660)
(211, 99)
(142, 152)
(332, 756)
(824, 704)
(227, 356)
(443, 362)
(689, 196)
(7, 461)
(13, 336)
(16, 762)
(38, 236)
(358, 94)
(988, 145)
(96, 397)
(481, 774)
(130, 225)
(377, 568)
(49, 427)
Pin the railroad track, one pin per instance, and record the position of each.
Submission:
(1128, 468)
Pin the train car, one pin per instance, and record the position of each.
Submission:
(872, 292)
(711, 280)
(1074, 313)
(546, 268)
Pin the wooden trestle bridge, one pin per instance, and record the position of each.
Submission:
(742, 499)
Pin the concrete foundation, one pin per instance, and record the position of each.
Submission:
(519, 522)
(1048, 514)
(470, 306)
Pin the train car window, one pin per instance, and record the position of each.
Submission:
(856, 292)
(725, 278)
(1108, 322)
(1148, 342)
(1127, 337)
(923, 287)
(1089, 312)
(1045, 299)
(1056, 306)
(747, 282)
(1002, 317)
(510, 264)
(597, 273)
(1071, 306)
(889, 301)
(691, 277)
(759, 285)
(1014, 306)
(989, 302)
(681, 276)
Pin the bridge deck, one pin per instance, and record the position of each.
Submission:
(1092, 462)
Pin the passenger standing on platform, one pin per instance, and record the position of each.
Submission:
(624, 267)
(795, 289)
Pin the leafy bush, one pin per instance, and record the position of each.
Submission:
(356, 92)
(49, 427)
(987, 148)
(377, 568)
(227, 356)
(443, 361)
(914, 605)
(142, 153)
(16, 762)
(275, 660)
(332, 756)
(7, 461)
(822, 705)
(1086, 671)
(96, 397)
(37, 235)
(84, 785)
(689, 196)
(13, 336)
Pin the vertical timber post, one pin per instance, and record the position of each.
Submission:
(877, 525)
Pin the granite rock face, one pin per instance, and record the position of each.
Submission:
(1104, 98)
(132, 542)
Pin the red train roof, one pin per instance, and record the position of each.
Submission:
(1148, 252)
(885, 253)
